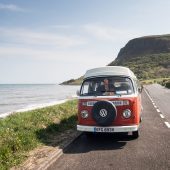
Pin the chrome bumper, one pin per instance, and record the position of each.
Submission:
(104, 129)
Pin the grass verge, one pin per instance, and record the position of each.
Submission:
(22, 132)
(161, 81)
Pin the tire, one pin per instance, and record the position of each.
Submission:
(140, 119)
(135, 134)
(104, 113)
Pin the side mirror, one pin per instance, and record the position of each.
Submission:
(78, 92)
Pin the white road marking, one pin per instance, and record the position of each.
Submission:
(167, 124)
(158, 110)
(148, 95)
(162, 116)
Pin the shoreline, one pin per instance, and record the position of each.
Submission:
(36, 106)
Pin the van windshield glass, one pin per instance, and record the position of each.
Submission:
(107, 86)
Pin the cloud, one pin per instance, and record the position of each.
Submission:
(61, 26)
(108, 33)
(82, 35)
(11, 7)
(29, 37)
(72, 57)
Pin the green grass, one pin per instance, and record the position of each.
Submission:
(22, 132)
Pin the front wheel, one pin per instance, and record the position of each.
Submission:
(135, 134)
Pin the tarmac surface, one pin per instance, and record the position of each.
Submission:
(151, 151)
(161, 98)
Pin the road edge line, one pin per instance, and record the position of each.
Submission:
(148, 95)
(161, 115)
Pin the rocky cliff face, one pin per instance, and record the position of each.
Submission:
(144, 46)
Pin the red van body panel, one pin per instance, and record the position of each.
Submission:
(134, 106)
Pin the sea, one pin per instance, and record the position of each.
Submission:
(24, 97)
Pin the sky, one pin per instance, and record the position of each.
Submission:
(50, 41)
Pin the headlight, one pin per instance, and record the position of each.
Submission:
(127, 113)
(84, 114)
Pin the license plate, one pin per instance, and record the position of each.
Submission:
(103, 129)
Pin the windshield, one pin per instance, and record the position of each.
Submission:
(107, 86)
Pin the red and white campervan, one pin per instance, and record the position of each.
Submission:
(109, 101)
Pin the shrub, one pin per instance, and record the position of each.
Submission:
(167, 85)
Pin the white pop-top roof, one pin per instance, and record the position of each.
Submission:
(109, 71)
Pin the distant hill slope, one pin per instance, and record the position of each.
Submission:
(148, 57)
(73, 81)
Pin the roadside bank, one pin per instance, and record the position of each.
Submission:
(23, 132)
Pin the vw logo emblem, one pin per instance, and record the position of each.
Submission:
(103, 112)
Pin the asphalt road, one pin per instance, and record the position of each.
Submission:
(161, 98)
(151, 151)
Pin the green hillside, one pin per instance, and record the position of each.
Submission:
(150, 66)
